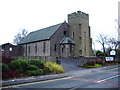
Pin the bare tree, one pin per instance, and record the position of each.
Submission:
(23, 33)
(103, 40)
(112, 42)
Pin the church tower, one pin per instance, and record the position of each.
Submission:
(79, 31)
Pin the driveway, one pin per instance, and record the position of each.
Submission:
(71, 64)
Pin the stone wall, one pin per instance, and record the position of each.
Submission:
(56, 38)
(66, 51)
(37, 48)
(79, 31)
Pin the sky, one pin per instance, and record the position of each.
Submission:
(37, 14)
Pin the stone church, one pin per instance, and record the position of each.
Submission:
(64, 40)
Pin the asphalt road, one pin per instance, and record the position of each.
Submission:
(101, 79)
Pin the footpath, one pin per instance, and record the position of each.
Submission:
(53, 76)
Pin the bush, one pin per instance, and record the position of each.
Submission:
(32, 67)
(6, 60)
(11, 74)
(111, 62)
(34, 72)
(5, 67)
(91, 62)
(36, 62)
(99, 61)
(94, 66)
(52, 67)
(19, 65)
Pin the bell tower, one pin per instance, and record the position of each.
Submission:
(79, 31)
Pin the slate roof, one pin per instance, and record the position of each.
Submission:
(42, 34)
(67, 40)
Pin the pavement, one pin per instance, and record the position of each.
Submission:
(54, 76)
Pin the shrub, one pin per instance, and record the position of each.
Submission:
(99, 61)
(91, 62)
(36, 62)
(34, 72)
(10, 74)
(19, 65)
(84, 65)
(53, 67)
(111, 62)
(94, 66)
(5, 67)
(6, 60)
(32, 67)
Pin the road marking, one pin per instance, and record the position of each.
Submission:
(47, 80)
(107, 79)
(57, 79)
(35, 82)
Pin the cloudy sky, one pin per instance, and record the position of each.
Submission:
(36, 14)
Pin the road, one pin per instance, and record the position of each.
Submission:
(96, 79)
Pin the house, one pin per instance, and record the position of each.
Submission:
(64, 40)
(9, 50)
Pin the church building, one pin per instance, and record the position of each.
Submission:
(70, 39)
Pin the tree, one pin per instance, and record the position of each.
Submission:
(23, 33)
(103, 40)
(112, 42)
(99, 53)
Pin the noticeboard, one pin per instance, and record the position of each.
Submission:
(109, 58)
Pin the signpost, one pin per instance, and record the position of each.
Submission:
(112, 53)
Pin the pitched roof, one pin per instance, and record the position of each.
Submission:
(41, 34)
(67, 40)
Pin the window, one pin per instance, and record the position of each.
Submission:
(85, 48)
(85, 34)
(89, 31)
(44, 47)
(10, 49)
(55, 47)
(80, 52)
(80, 39)
(80, 28)
(73, 35)
(29, 49)
(70, 48)
(62, 49)
(64, 32)
(36, 48)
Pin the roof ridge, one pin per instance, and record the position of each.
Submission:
(41, 34)
(45, 28)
